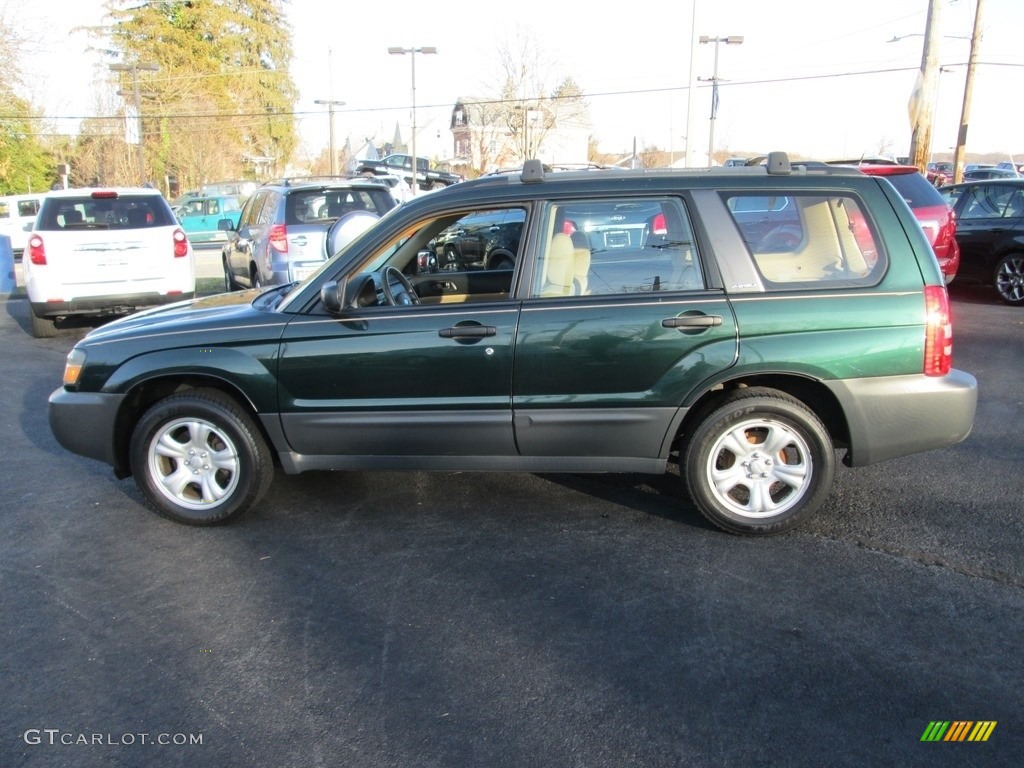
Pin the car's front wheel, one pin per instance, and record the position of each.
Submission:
(199, 458)
(759, 463)
(1009, 279)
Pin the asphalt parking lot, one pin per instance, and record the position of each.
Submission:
(409, 619)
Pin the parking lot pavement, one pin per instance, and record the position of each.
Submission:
(400, 619)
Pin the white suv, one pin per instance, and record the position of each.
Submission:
(104, 252)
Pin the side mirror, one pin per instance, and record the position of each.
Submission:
(332, 294)
(426, 262)
(226, 225)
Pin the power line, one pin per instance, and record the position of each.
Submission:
(262, 116)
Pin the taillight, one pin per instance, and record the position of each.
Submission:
(180, 244)
(279, 238)
(938, 335)
(36, 250)
(658, 225)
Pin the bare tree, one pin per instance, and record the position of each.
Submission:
(533, 102)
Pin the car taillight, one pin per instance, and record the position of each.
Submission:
(36, 250)
(938, 335)
(180, 244)
(658, 225)
(279, 238)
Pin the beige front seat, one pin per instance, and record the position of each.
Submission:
(581, 262)
(559, 265)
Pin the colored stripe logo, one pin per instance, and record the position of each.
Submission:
(959, 730)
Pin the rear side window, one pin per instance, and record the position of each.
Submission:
(991, 201)
(114, 212)
(616, 246)
(807, 240)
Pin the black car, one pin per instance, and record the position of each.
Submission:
(481, 240)
(990, 232)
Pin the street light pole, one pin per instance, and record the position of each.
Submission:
(137, 97)
(331, 104)
(729, 40)
(413, 51)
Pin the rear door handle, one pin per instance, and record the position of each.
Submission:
(692, 321)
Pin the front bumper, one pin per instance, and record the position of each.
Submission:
(83, 423)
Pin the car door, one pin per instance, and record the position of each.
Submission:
(237, 250)
(611, 340)
(986, 218)
(401, 386)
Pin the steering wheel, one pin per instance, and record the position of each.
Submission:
(398, 291)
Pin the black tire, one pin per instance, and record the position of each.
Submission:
(229, 280)
(42, 327)
(502, 260)
(197, 426)
(741, 486)
(1008, 279)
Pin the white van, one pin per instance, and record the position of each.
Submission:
(17, 215)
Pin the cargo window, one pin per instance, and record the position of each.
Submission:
(809, 239)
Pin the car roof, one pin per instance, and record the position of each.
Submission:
(89, 191)
(1005, 181)
(320, 182)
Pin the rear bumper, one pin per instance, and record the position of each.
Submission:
(107, 305)
(892, 416)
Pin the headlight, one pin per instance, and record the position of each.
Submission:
(73, 367)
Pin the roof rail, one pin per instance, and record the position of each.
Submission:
(778, 164)
(533, 172)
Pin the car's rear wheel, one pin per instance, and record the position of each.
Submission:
(43, 327)
(1009, 279)
(760, 463)
(199, 459)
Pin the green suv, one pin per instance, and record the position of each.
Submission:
(750, 324)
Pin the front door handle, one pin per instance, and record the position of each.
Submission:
(692, 321)
(468, 332)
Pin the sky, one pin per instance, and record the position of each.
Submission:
(817, 79)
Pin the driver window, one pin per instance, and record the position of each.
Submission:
(453, 259)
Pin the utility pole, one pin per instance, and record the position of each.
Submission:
(136, 94)
(965, 112)
(922, 102)
(691, 88)
(331, 104)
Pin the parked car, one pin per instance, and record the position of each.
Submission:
(990, 231)
(103, 252)
(200, 217)
(982, 174)
(17, 215)
(427, 178)
(749, 364)
(282, 233)
(485, 240)
(932, 211)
